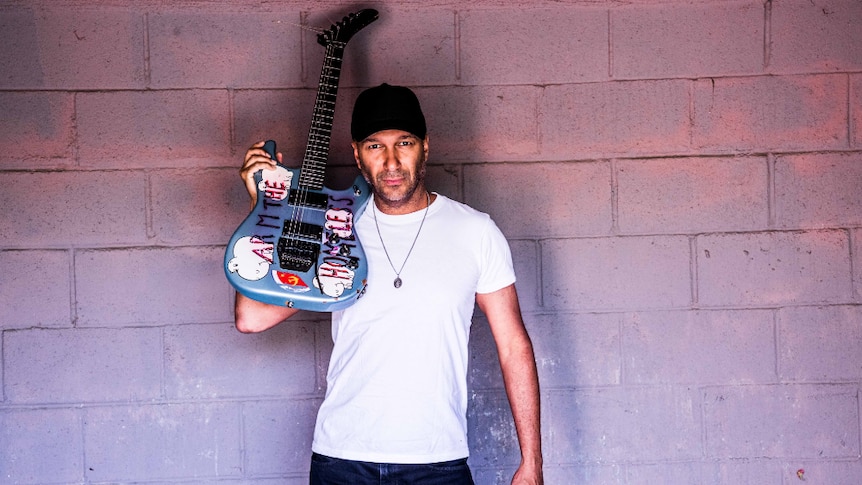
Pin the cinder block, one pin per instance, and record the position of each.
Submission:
(604, 473)
(72, 48)
(685, 472)
(699, 347)
(773, 268)
(577, 350)
(153, 442)
(821, 344)
(120, 287)
(624, 425)
(280, 115)
(818, 190)
(491, 438)
(533, 45)
(782, 421)
(37, 289)
(481, 123)
(406, 46)
(693, 195)
(844, 472)
(147, 129)
(208, 48)
(37, 129)
(41, 446)
(543, 200)
(217, 361)
(277, 435)
(616, 273)
(62, 209)
(754, 470)
(490, 475)
(202, 207)
(446, 180)
(771, 113)
(821, 36)
(604, 119)
(707, 472)
(661, 41)
(82, 365)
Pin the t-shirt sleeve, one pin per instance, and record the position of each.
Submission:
(497, 271)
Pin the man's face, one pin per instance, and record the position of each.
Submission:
(393, 162)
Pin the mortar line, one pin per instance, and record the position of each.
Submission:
(457, 34)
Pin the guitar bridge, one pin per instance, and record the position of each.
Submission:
(297, 255)
(299, 245)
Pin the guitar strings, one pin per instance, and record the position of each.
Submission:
(298, 211)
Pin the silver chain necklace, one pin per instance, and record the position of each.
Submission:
(397, 282)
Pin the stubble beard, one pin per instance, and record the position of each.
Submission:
(398, 199)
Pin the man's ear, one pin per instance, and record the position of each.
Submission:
(425, 146)
(355, 145)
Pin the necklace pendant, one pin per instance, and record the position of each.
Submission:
(397, 282)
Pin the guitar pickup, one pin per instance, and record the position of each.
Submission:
(305, 198)
(302, 230)
(296, 255)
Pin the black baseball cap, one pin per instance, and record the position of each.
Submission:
(386, 107)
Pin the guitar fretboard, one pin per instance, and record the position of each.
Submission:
(313, 167)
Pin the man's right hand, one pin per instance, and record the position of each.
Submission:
(256, 159)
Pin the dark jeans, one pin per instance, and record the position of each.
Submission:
(334, 471)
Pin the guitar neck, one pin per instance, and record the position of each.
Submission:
(313, 167)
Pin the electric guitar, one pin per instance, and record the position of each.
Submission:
(297, 247)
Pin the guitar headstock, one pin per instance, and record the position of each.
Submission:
(342, 31)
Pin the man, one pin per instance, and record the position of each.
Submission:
(396, 397)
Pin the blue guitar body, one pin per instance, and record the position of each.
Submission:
(297, 248)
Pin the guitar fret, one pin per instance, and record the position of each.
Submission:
(317, 147)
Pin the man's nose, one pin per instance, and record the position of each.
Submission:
(392, 161)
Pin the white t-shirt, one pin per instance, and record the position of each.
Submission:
(397, 381)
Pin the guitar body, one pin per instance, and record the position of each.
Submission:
(297, 248)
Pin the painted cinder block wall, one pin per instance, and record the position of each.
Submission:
(681, 184)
